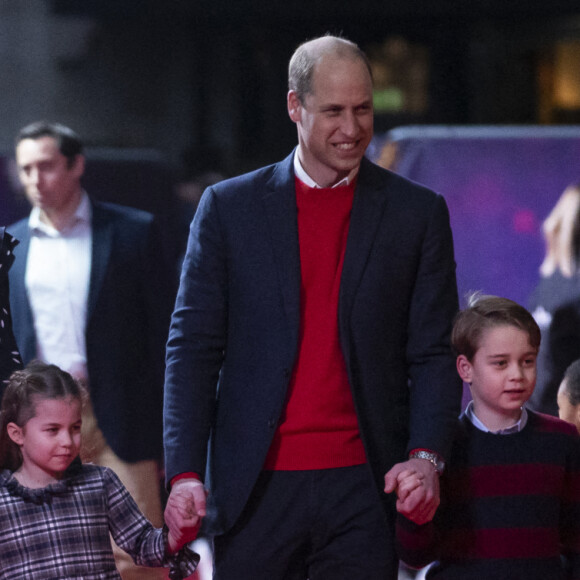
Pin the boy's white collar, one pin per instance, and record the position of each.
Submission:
(515, 428)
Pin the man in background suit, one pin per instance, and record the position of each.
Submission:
(91, 293)
(308, 361)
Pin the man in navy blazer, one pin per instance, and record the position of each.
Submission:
(308, 365)
(90, 292)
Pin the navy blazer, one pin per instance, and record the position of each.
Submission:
(234, 333)
(128, 312)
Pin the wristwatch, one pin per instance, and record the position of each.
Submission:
(434, 458)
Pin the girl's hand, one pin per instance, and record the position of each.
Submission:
(184, 511)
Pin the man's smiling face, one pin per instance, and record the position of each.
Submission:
(335, 121)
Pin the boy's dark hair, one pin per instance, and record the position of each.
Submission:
(24, 388)
(68, 142)
(485, 312)
(572, 378)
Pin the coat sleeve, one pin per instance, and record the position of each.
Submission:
(415, 543)
(132, 531)
(196, 345)
(435, 393)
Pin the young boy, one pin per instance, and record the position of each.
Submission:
(569, 395)
(510, 494)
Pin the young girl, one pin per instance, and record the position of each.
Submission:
(57, 513)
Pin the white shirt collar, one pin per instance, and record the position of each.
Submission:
(301, 174)
(515, 428)
(81, 214)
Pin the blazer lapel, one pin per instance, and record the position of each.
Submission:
(366, 216)
(22, 320)
(101, 252)
(279, 201)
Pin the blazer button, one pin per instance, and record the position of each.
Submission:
(272, 423)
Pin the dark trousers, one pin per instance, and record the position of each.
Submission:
(316, 525)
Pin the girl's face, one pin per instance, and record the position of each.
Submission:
(49, 441)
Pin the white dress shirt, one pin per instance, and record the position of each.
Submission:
(301, 174)
(57, 282)
(515, 428)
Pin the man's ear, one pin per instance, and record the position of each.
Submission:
(294, 106)
(464, 368)
(15, 433)
(78, 165)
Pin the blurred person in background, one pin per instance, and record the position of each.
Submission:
(91, 294)
(555, 302)
(569, 395)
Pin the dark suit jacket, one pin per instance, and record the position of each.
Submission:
(559, 299)
(128, 313)
(9, 357)
(236, 325)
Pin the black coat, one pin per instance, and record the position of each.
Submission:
(9, 357)
(555, 304)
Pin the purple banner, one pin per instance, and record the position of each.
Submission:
(500, 183)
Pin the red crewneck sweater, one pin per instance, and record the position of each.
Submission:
(319, 428)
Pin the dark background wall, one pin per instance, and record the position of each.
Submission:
(204, 81)
(165, 91)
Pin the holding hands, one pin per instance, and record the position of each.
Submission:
(186, 506)
(416, 483)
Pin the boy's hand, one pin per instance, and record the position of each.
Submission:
(416, 502)
(407, 481)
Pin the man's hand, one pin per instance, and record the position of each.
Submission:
(416, 502)
(407, 481)
(186, 506)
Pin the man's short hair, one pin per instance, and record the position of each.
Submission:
(572, 378)
(309, 53)
(68, 142)
(485, 312)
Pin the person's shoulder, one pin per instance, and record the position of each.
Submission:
(548, 424)
(121, 213)
(467, 438)
(98, 475)
(88, 471)
(552, 291)
(5, 475)
(373, 174)
(412, 202)
(257, 181)
(464, 430)
(247, 180)
(17, 228)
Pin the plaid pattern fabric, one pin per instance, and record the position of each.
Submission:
(62, 531)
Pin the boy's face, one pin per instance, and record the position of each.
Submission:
(566, 410)
(502, 375)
